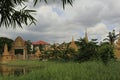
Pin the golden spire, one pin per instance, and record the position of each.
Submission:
(86, 36)
(72, 39)
(119, 34)
(5, 50)
(73, 45)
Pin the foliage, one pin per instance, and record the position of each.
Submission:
(4, 40)
(88, 51)
(28, 45)
(111, 37)
(63, 1)
(11, 16)
(62, 53)
(106, 52)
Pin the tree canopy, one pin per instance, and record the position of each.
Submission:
(10, 16)
(112, 36)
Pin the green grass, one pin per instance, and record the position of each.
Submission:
(91, 70)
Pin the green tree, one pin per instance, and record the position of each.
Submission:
(28, 45)
(62, 52)
(88, 50)
(10, 16)
(106, 52)
(112, 36)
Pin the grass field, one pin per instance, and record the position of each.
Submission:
(91, 70)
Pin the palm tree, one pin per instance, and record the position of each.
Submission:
(63, 1)
(9, 16)
(12, 17)
(112, 37)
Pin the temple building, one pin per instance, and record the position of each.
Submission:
(19, 50)
(117, 48)
(73, 45)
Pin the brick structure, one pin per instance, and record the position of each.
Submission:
(19, 50)
(6, 56)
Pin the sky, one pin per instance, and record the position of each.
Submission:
(56, 25)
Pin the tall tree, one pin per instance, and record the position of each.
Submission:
(10, 16)
(112, 36)
(28, 45)
(88, 50)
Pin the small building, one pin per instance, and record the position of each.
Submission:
(43, 44)
(19, 50)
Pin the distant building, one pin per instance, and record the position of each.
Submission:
(45, 45)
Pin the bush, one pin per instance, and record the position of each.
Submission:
(106, 52)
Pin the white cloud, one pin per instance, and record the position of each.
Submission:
(99, 31)
(55, 24)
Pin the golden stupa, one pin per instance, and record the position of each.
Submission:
(86, 37)
(6, 55)
(38, 53)
(73, 45)
(5, 50)
(117, 48)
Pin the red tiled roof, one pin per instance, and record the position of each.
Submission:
(40, 42)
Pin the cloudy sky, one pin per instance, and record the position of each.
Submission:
(57, 25)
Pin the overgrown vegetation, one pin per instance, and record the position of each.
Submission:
(90, 70)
